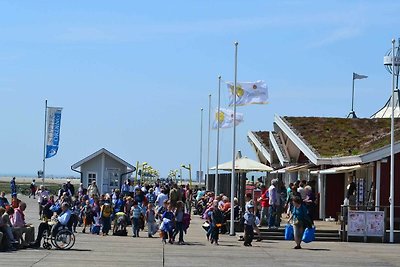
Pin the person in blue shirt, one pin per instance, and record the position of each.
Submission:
(60, 220)
(13, 187)
(300, 220)
(3, 200)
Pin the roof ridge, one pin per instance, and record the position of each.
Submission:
(300, 136)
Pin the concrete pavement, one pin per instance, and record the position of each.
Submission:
(93, 250)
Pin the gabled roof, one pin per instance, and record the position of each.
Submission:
(99, 152)
(341, 137)
(260, 142)
(262, 137)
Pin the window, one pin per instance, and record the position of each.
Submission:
(91, 177)
(113, 178)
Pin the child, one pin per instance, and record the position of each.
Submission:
(95, 228)
(168, 223)
(151, 220)
(179, 221)
(136, 211)
(249, 223)
(87, 212)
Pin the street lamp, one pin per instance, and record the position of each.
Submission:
(392, 62)
(189, 168)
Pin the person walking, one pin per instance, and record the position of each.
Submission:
(13, 187)
(273, 203)
(299, 219)
(93, 189)
(105, 215)
(179, 222)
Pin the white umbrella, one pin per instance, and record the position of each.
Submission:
(244, 165)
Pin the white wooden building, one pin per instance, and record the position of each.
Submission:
(107, 169)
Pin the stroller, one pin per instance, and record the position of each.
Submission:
(120, 224)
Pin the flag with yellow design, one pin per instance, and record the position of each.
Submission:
(225, 118)
(248, 93)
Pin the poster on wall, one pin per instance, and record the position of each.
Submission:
(360, 191)
(356, 223)
(375, 223)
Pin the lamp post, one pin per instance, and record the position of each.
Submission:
(142, 174)
(392, 62)
(189, 168)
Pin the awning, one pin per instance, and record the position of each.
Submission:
(293, 168)
(341, 169)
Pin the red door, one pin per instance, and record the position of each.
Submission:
(334, 194)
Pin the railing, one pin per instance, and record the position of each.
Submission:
(344, 213)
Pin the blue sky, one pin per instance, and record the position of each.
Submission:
(132, 76)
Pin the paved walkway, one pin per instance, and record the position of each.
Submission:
(93, 250)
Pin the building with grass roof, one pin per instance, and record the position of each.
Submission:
(331, 152)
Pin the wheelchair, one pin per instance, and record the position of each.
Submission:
(64, 238)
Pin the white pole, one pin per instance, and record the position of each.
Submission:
(208, 138)
(391, 198)
(201, 145)
(44, 141)
(232, 230)
(218, 125)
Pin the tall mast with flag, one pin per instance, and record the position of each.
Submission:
(356, 76)
(52, 126)
(241, 93)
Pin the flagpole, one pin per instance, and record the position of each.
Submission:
(218, 125)
(352, 101)
(44, 142)
(391, 198)
(208, 138)
(201, 145)
(232, 230)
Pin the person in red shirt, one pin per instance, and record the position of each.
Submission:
(264, 201)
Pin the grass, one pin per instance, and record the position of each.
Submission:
(339, 137)
(24, 188)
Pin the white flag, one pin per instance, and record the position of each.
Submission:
(359, 76)
(248, 93)
(225, 118)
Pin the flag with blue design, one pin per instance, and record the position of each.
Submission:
(53, 131)
(225, 118)
(248, 93)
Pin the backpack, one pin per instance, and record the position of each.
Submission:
(106, 211)
(217, 217)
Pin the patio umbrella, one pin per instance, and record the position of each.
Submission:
(244, 165)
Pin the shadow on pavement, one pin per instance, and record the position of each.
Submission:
(316, 249)
(78, 249)
(194, 244)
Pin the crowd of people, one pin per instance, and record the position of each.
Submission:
(297, 201)
(163, 207)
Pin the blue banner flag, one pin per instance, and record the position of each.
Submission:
(53, 130)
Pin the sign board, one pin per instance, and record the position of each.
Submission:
(356, 223)
(366, 223)
(375, 223)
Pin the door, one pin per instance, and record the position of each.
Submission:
(112, 178)
(334, 193)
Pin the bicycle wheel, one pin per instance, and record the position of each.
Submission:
(64, 239)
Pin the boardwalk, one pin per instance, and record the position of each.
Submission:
(91, 250)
